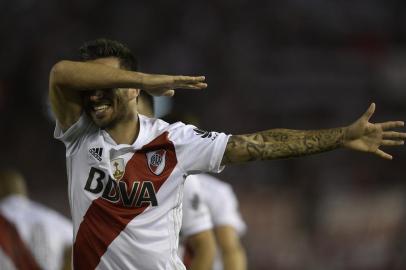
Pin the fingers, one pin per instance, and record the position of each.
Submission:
(391, 124)
(189, 79)
(161, 92)
(393, 135)
(193, 86)
(382, 154)
(169, 93)
(367, 115)
(391, 143)
(189, 82)
(201, 85)
(397, 139)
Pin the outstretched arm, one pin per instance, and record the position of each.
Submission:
(281, 143)
(67, 78)
(285, 143)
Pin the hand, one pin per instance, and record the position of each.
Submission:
(369, 137)
(164, 85)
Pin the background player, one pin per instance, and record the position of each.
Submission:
(14, 254)
(197, 241)
(224, 220)
(46, 233)
(228, 225)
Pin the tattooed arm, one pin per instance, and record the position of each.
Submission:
(281, 143)
(285, 143)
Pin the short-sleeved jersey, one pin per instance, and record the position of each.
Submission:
(14, 254)
(196, 215)
(219, 198)
(45, 232)
(126, 199)
(222, 202)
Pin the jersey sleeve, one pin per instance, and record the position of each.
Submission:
(196, 215)
(197, 150)
(218, 193)
(73, 135)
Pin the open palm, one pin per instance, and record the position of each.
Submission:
(369, 137)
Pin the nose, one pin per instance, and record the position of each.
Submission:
(96, 95)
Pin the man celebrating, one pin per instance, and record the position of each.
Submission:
(125, 170)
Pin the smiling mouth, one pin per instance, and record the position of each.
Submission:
(97, 108)
(100, 109)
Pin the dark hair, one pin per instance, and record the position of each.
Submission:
(102, 47)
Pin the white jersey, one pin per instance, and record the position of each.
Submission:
(45, 232)
(219, 198)
(196, 214)
(126, 199)
(14, 253)
(222, 202)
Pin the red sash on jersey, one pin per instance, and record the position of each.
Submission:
(104, 221)
(14, 247)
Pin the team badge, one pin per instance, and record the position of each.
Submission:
(156, 161)
(118, 168)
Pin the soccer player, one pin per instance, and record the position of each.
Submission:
(125, 170)
(14, 254)
(198, 244)
(45, 234)
(228, 225)
(211, 217)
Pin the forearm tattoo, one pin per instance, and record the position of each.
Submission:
(281, 143)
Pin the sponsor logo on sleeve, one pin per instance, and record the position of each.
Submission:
(205, 134)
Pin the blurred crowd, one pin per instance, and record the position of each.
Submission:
(293, 64)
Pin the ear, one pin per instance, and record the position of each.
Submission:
(133, 93)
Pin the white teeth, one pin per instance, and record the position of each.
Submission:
(100, 107)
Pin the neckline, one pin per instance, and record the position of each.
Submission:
(138, 141)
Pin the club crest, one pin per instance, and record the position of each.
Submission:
(118, 168)
(156, 161)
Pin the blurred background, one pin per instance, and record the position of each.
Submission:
(293, 64)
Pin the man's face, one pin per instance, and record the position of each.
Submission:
(106, 107)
